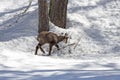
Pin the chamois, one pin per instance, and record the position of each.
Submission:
(51, 38)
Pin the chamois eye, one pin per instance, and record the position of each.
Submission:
(61, 34)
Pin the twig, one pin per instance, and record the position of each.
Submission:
(21, 14)
(77, 43)
(67, 45)
(30, 2)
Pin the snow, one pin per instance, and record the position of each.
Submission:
(19, 65)
(96, 23)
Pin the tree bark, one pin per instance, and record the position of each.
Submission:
(43, 24)
(58, 12)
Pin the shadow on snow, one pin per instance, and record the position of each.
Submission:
(27, 26)
(61, 75)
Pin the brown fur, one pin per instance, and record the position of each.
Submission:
(50, 38)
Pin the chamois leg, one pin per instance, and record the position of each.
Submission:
(50, 48)
(42, 49)
(37, 47)
(57, 46)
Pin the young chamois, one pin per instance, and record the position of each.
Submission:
(51, 38)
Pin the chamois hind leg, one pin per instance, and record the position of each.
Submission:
(41, 48)
(37, 47)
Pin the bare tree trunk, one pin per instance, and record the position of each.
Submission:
(43, 16)
(58, 12)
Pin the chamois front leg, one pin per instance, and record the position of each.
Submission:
(50, 48)
(57, 46)
(37, 47)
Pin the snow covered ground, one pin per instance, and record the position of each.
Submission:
(96, 23)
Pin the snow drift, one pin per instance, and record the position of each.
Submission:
(93, 25)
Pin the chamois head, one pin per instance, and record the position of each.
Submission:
(64, 37)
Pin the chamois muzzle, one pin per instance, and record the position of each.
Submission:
(66, 38)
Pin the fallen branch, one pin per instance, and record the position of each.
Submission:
(67, 45)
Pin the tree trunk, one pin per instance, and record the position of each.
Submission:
(58, 12)
(43, 24)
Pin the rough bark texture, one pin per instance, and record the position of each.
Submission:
(58, 12)
(43, 16)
